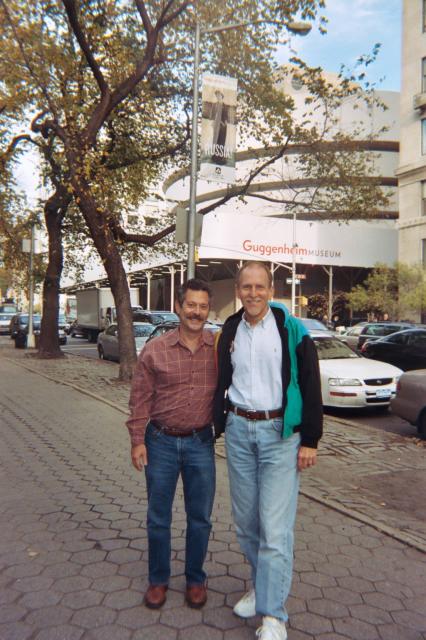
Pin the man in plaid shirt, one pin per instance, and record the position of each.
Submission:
(171, 433)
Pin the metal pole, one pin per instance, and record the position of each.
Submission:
(194, 158)
(293, 267)
(330, 294)
(30, 336)
(172, 286)
(148, 290)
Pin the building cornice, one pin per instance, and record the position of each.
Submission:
(412, 222)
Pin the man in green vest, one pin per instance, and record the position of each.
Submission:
(269, 401)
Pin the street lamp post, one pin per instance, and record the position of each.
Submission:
(301, 28)
(30, 336)
(293, 267)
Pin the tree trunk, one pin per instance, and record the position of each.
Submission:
(54, 211)
(105, 244)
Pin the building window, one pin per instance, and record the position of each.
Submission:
(424, 136)
(424, 75)
(423, 188)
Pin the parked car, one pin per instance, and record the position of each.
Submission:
(312, 324)
(63, 323)
(356, 336)
(21, 331)
(75, 331)
(154, 317)
(5, 319)
(168, 326)
(405, 349)
(350, 380)
(9, 307)
(350, 336)
(108, 339)
(19, 322)
(410, 400)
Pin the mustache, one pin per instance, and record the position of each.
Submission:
(194, 317)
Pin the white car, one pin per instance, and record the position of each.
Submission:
(5, 319)
(352, 381)
(108, 339)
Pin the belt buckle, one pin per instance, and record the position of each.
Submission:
(251, 414)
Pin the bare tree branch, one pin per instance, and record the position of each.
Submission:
(121, 235)
(71, 10)
(144, 16)
(164, 21)
(240, 191)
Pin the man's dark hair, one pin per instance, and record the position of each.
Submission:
(195, 285)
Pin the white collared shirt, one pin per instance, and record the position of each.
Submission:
(256, 356)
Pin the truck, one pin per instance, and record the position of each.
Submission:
(96, 310)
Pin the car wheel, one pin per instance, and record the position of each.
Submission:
(101, 352)
(421, 425)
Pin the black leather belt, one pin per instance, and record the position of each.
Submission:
(176, 432)
(251, 414)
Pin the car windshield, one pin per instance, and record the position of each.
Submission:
(8, 308)
(314, 325)
(159, 318)
(332, 349)
(142, 330)
(4, 317)
(24, 318)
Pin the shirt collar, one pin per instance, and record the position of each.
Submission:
(173, 336)
(262, 323)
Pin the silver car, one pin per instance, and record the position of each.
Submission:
(108, 339)
(5, 319)
(410, 400)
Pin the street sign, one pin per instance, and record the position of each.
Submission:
(301, 276)
(290, 280)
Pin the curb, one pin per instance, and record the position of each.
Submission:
(391, 532)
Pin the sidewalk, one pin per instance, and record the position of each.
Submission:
(73, 559)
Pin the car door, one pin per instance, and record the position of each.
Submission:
(416, 351)
(392, 350)
(351, 337)
(110, 342)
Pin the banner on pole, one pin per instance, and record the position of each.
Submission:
(218, 128)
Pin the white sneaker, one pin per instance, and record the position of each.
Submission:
(272, 629)
(246, 607)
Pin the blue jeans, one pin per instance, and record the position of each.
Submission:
(169, 456)
(264, 485)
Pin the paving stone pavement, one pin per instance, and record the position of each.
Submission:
(73, 551)
(365, 473)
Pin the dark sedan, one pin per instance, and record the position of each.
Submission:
(404, 349)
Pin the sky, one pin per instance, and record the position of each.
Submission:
(354, 27)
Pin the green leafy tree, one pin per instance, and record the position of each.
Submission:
(399, 291)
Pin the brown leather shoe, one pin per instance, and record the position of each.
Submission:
(196, 595)
(155, 596)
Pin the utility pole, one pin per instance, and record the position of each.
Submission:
(30, 336)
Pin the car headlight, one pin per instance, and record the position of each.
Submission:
(344, 382)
